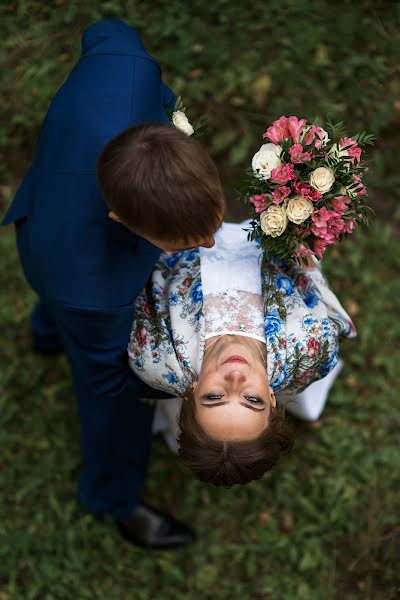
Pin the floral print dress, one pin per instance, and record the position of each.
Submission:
(301, 321)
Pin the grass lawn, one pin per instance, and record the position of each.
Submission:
(323, 525)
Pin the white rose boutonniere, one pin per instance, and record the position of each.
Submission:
(265, 160)
(322, 179)
(273, 221)
(298, 209)
(181, 122)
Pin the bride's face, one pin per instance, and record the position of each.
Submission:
(232, 396)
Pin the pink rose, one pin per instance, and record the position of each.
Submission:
(141, 335)
(313, 346)
(329, 226)
(283, 173)
(302, 188)
(354, 150)
(278, 131)
(297, 155)
(295, 127)
(280, 194)
(320, 219)
(303, 251)
(319, 247)
(187, 281)
(360, 190)
(317, 135)
(259, 202)
(349, 225)
(339, 204)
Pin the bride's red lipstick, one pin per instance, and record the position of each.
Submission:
(235, 358)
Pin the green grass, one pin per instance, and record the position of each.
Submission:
(325, 524)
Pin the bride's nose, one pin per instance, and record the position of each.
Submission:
(235, 376)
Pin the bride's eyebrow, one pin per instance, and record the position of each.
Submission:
(213, 404)
(242, 403)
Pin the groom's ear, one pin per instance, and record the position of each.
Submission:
(114, 217)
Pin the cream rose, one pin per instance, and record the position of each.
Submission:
(298, 209)
(266, 159)
(273, 220)
(322, 179)
(181, 122)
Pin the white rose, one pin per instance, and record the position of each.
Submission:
(266, 159)
(298, 209)
(181, 122)
(322, 179)
(273, 220)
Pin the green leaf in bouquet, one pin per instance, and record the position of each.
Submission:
(364, 138)
(336, 131)
(342, 148)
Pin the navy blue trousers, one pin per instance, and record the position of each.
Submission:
(115, 425)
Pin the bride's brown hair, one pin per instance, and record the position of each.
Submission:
(226, 463)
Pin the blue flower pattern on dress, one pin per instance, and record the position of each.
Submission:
(272, 323)
(196, 293)
(171, 378)
(285, 283)
(311, 300)
(167, 338)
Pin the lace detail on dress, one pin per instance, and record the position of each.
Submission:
(231, 282)
(236, 312)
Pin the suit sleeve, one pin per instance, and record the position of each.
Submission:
(148, 93)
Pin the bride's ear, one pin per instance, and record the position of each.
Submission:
(272, 396)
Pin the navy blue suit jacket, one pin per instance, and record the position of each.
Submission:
(72, 252)
(80, 262)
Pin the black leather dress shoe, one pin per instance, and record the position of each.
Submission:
(150, 528)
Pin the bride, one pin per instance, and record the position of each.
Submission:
(236, 337)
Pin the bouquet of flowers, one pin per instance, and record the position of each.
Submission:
(306, 190)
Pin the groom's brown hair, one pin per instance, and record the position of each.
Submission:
(226, 463)
(161, 183)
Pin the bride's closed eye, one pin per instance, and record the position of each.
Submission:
(252, 399)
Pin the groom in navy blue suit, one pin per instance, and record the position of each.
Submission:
(87, 270)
